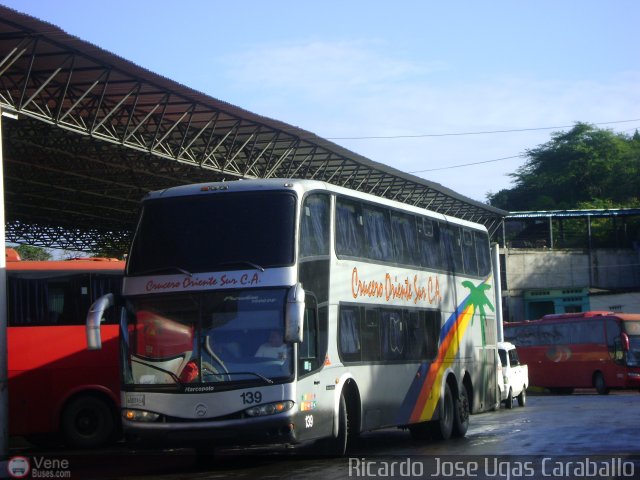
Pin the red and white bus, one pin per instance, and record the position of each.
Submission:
(57, 386)
(580, 350)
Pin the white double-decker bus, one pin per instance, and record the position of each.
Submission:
(283, 311)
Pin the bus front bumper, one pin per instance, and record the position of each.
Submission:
(633, 379)
(272, 429)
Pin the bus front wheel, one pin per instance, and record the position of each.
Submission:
(88, 422)
(337, 446)
(599, 383)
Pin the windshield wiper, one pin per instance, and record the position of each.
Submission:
(242, 262)
(165, 270)
(262, 377)
(173, 376)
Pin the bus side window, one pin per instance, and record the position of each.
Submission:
(370, 332)
(451, 245)
(588, 332)
(314, 228)
(55, 303)
(429, 242)
(377, 234)
(349, 236)
(394, 333)
(47, 301)
(469, 258)
(349, 331)
(403, 228)
(308, 348)
(483, 254)
(554, 334)
(101, 284)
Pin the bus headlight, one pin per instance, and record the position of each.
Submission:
(269, 408)
(140, 416)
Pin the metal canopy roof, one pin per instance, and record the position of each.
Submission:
(95, 133)
(608, 212)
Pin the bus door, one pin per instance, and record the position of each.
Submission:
(315, 391)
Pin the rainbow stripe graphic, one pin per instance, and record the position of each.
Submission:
(422, 398)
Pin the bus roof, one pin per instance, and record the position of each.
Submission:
(16, 264)
(557, 317)
(300, 186)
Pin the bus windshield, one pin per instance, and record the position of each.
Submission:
(220, 337)
(212, 232)
(633, 355)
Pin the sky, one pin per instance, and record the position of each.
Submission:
(413, 84)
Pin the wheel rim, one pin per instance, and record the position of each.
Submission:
(464, 408)
(87, 422)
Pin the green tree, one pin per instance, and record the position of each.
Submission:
(28, 252)
(585, 165)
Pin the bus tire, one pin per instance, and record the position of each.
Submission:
(522, 398)
(443, 427)
(599, 384)
(88, 422)
(509, 401)
(337, 446)
(461, 413)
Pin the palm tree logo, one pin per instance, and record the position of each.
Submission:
(478, 298)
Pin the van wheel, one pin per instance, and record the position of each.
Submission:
(441, 429)
(461, 413)
(599, 383)
(522, 398)
(88, 422)
(509, 401)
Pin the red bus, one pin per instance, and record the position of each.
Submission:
(57, 388)
(580, 350)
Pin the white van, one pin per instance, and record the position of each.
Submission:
(515, 376)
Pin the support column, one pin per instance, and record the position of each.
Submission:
(497, 286)
(4, 367)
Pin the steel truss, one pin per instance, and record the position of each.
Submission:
(95, 133)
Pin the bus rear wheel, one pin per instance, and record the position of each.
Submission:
(442, 428)
(88, 422)
(461, 413)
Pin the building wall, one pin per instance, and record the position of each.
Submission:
(617, 302)
(536, 268)
(540, 281)
(615, 269)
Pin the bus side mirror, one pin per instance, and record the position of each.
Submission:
(294, 315)
(94, 318)
(626, 346)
